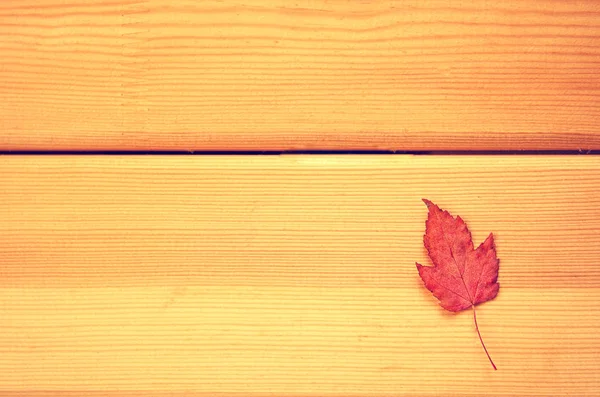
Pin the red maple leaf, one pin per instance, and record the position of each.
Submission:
(461, 276)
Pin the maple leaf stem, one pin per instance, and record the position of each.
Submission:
(481, 340)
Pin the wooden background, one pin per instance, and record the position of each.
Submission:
(294, 275)
(280, 75)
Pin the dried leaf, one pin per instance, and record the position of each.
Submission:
(461, 276)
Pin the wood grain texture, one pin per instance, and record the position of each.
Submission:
(291, 275)
(275, 75)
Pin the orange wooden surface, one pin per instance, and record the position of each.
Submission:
(291, 276)
(273, 75)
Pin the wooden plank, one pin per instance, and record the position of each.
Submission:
(270, 75)
(291, 275)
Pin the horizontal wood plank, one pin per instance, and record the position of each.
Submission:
(291, 275)
(271, 75)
